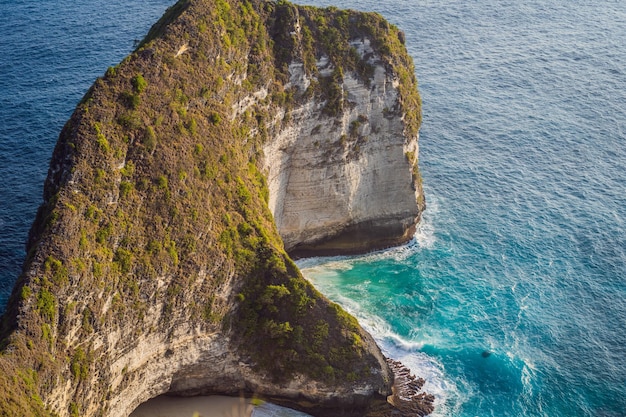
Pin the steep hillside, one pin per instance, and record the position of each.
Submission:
(155, 265)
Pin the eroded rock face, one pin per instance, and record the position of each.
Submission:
(344, 183)
(154, 265)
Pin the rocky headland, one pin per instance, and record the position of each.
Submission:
(239, 134)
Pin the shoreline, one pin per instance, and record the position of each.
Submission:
(200, 406)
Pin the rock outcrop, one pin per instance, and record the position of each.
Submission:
(154, 264)
(343, 184)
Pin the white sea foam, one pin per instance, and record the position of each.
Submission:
(448, 397)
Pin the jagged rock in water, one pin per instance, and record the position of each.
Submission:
(408, 398)
(155, 265)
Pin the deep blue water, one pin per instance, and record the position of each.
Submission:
(512, 299)
(50, 53)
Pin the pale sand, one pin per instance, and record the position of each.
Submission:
(207, 406)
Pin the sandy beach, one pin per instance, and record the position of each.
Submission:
(205, 406)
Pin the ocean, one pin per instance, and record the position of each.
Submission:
(511, 299)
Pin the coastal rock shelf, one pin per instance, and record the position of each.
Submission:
(408, 397)
(237, 135)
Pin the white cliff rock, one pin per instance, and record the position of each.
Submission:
(344, 184)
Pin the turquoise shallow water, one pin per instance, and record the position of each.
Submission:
(512, 299)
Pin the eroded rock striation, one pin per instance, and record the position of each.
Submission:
(343, 184)
(156, 264)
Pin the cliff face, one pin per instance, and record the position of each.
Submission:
(155, 266)
(343, 177)
(343, 184)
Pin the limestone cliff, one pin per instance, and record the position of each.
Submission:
(154, 264)
(343, 184)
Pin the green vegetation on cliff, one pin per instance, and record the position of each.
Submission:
(155, 201)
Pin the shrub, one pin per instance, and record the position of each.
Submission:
(215, 118)
(125, 189)
(103, 143)
(242, 192)
(123, 258)
(25, 292)
(93, 213)
(110, 72)
(129, 120)
(55, 268)
(173, 253)
(97, 270)
(139, 83)
(80, 366)
(162, 182)
(149, 138)
(192, 126)
(74, 411)
(132, 100)
(128, 170)
(273, 293)
(46, 304)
